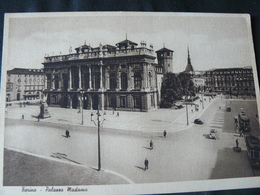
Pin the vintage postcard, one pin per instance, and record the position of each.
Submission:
(127, 103)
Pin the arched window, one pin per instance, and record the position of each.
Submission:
(56, 82)
(124, 83)
(137, 81)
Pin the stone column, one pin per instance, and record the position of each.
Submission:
(90, 78)
(101, 77)
(52, 80)
(60, 79)
(70, 79)
(130, 78)
(144, 77)
(80, 83)
(70, 99)
(83, 85)
(119, 77)
(91, 102)
(107, 86)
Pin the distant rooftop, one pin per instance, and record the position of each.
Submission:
(25, 71)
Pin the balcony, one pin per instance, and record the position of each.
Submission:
(99, 54)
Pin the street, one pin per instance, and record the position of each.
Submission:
(185, 154)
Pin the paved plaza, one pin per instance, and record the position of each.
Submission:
(185, 154)
(153, 121)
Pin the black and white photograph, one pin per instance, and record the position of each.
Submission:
(120, 100)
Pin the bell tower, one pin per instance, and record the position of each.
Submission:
(164, 57)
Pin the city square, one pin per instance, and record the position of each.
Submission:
(186, 151)
(167, 103)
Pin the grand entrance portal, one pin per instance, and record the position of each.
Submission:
(95, 102)
(75, 101)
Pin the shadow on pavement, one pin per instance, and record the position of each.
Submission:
(140, 168)
(63, 156)
(148, 148)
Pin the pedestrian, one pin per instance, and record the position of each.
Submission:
(151, 144)
(22, 116)
(237, 142)
(164, 133)
(146, 164)
(67, 133)
(117, 114)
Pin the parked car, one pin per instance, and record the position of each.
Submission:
(198, 121)
(228, 109)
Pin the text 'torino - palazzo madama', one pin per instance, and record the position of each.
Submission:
(121, 77)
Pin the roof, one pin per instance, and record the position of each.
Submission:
(189, 68)
(236, 68)
(25, 71)
(127, 42)
(83, 46)
(164, 49)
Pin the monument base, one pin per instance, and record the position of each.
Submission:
(44, 113)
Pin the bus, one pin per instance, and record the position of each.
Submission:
(243, 122)
(253, 150)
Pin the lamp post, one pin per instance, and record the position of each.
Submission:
(202, 98)
(82, 106)
(99, 126)
(187, 115)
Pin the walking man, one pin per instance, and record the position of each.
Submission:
(237, 142)
(151, 144)
(67, 133)
(146, 164)
(164, 133)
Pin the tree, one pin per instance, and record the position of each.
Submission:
(174, 87)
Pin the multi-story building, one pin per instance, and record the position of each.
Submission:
(24, 84)
(233, 81)
(120, 77)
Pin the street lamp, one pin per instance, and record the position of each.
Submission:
(187, 115)
(82, 105)
(202, 98)
(98, 124)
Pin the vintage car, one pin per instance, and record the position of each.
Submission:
(198, 121)
(228, 109)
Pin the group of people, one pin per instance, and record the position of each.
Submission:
(146, 162)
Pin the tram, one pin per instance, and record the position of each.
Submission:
(243, 122)
(253, 150)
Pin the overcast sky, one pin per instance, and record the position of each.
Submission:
(215, 41)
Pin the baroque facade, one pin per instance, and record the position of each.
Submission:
(24, 84)
(232, 81)
(120, 77)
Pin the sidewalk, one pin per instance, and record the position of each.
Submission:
(39, 171)
(152, 121)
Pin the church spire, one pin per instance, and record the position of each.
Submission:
(189, 67)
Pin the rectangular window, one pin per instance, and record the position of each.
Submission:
(137, 101)
(123, 101)
(152, 100)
